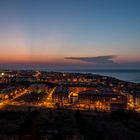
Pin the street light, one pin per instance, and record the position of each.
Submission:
(2, 74)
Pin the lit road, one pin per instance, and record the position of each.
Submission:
(49, 97)
(10, 101)
(48, 100)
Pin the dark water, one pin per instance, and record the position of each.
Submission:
(126, 75)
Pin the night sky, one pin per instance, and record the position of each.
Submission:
(70, 33)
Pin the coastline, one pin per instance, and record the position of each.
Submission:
(126, 75)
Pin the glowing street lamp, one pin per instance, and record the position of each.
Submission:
(2, 74)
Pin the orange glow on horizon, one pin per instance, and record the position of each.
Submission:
(23, 58)
(50, 59)
(127, 59)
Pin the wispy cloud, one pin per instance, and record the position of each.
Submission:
(108, 59)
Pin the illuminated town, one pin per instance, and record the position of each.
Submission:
(46, 95)
(72, 91)
(30, 91)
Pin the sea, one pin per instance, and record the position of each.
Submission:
(126, 75)
(130, 75)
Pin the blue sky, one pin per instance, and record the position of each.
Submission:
(47, 31)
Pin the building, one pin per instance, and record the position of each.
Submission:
(7, 93)
(38, 88)
(61, 94)
(101, 101)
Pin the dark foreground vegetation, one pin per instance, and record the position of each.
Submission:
(69, 125)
